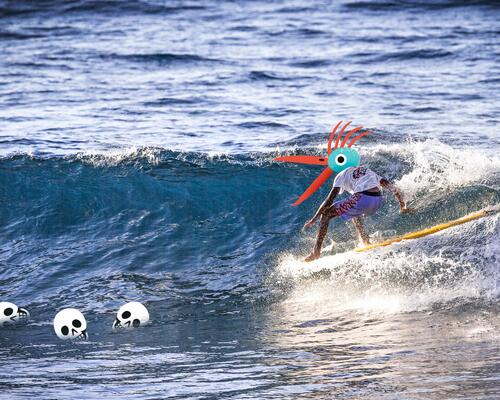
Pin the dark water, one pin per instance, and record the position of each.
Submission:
(137, 143)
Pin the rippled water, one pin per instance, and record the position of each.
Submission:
(136, 164)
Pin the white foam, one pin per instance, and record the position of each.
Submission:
(438, 167)
(412, 275)
(119, 155)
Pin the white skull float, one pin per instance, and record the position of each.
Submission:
(12, 314)
(131, 315)
(70, 324)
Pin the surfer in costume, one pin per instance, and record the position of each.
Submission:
(365, 187)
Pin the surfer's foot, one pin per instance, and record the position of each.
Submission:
(360, 229)
(311, 257)
(363, 239)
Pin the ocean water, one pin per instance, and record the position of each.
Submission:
(136, 164)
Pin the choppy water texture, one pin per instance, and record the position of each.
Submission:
(136, 163)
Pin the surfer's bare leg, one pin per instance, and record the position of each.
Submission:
(322, 231)
(362, 235)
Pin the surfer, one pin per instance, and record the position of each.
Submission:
(366, 198)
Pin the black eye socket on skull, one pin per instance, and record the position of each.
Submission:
(77, 323)
(136, 323)
(126, 314)
(8, 311)
(64, 330)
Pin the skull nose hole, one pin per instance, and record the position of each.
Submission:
(136, 323)
(8, 311)
(126, 314)
(77, 323)
(64, 330)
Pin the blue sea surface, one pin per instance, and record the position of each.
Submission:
(137, 146)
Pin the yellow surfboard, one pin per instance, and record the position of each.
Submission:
(430, 231)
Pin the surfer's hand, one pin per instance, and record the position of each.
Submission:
(406, 210)
(308, 224)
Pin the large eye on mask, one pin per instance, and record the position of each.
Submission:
(343, 158)
(340, 159)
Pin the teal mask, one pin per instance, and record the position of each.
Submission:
(343, 158)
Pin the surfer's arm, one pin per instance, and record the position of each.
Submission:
(326, 204)
(396, 192)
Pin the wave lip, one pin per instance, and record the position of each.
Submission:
(10, 35)
(404, 55)
(15, 8)
(266, 75)
(161, 58)
(311, 63)
(401, 5)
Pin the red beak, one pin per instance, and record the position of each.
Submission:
(311, 160)
(322, 178)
